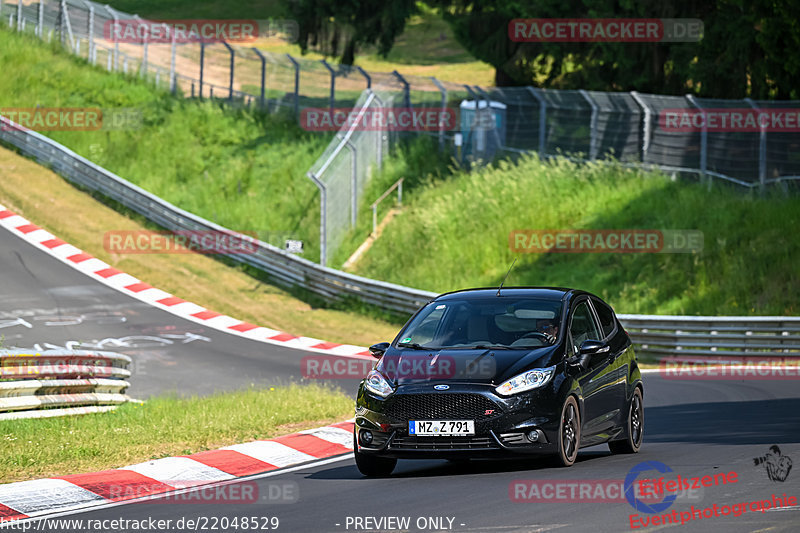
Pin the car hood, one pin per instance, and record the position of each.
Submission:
(491, 366)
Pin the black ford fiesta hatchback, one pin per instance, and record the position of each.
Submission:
(488, 372)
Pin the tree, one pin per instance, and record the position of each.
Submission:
(339, 27)
(748, 47)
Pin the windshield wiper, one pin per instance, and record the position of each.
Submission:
(412, 345)
(492, 347)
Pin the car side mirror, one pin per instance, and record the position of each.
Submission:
(593, 347)
(377, 350)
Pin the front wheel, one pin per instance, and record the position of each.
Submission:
(635, 428)
(372, 466)
(569, 433)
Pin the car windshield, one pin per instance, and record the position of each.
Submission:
(500, 323)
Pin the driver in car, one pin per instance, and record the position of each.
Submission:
(548, 328)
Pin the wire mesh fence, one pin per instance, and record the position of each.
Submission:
(749, 143)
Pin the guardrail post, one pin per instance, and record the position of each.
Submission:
(296, 85)
(762, 149)
(703, 141)
(542, 119)
(202, 65)
(115, 34)
(233, 62)
(323, 225)
(367, 76)
(263, 76)
(406, 89)
(333, 85)
(442, 90)
(647, 128)
(19, 15)
(592, 125)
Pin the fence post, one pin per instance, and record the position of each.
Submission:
(40, 19)
(230, 81)
(703, 141)
(333, 85)
(115, 34)
(353, 183)
(296, 85)
(443, 90)
(323, 225)
(647, 130)
(367, 76)
(542, 119)
(380, 135)
(90, 6)
(406, 89)
(202, 64)
(173, 51)
(762, 149)
(263, 75)
(592, 125)
(19, 15)
(145, 41)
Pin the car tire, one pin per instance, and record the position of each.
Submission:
(569, 433)
(635, 427)
(370, 465)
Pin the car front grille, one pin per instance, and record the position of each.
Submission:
(443, 443)
(442, 406)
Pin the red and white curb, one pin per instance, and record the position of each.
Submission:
(29, 499)
(127, 284)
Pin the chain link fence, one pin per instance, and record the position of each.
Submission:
(632, 128)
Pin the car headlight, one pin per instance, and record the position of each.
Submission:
(532, 379)
(376, 383)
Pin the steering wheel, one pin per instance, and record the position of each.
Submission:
(535, 334)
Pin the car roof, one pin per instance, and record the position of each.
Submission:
(541, 293)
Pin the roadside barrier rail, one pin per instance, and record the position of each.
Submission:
(59, 382)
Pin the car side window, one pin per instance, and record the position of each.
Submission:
(582, 326)
(606, 316)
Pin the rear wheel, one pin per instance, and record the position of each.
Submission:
(633, 441)
(569, 433)
(370, 465)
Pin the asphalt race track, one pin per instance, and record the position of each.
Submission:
(46, 301)
(695, 428)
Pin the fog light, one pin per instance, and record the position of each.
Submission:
(366, 436)
(533, 435)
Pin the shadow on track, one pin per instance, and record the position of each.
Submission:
(750, 422)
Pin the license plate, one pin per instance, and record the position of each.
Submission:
(441, 427)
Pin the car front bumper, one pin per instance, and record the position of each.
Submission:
(504, 426)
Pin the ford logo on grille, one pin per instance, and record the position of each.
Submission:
(441, 387)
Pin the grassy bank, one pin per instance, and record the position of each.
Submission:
(242, 169)
(455, 234)
(162, 427)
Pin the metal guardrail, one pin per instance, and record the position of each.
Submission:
(59, 382)
(656, 335)
(716, 337)
(284, 268)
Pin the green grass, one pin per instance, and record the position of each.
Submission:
(454, 234)
(240, 168)
(162, 427)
